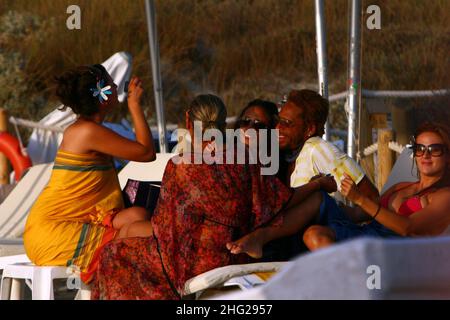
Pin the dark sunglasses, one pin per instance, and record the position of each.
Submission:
(435, 150)
(252, 123)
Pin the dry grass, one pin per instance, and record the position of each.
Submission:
(239, 49)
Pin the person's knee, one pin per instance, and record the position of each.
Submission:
(130, 230)
(317, 236)
(139, 229)
(137, 214)
(310, 234)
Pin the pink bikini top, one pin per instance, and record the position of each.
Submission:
(409, 206)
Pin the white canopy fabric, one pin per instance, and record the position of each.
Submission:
(43, 143)
(403, 170)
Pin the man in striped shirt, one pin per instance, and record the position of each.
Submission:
(301, 125)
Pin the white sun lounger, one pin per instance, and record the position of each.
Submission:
(14, 210)
(402, 171)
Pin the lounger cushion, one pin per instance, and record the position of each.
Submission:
(408, 269)
(218, 276)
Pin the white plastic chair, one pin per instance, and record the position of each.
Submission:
(7, 260)
(14, 269)
(145, 171)
(20, 258)
(39, 279)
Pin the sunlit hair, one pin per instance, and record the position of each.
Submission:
(315, 108)
(443, 131)
(210, 111)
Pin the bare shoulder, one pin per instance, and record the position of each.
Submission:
(398, 186)
(86, 129)
(81, 126)
(76, 137)
(442, 196)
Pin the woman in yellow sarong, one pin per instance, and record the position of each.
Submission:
(81, 209)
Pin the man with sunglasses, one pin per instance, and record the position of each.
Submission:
(301, 124)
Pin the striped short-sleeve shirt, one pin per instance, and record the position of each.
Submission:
(319, 156)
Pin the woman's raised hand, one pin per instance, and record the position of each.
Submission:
(135, 92)
(350, 190)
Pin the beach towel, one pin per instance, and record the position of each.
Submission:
(72, 218)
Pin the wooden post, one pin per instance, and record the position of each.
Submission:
(4, 168)
(385, 156)
(378, 120)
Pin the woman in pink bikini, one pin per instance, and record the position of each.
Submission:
(419, 208)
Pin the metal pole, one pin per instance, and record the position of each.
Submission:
(156, 74)
(321, 49)
(354, 76)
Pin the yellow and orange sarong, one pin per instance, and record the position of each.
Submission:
(72, 218)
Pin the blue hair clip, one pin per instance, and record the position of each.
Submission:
(101, 91)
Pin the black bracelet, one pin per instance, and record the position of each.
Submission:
(378, 211)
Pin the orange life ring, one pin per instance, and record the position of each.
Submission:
(10, 147)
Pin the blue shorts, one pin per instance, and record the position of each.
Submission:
(331, 215)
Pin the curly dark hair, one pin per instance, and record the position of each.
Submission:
(73, 88)
(314, 106)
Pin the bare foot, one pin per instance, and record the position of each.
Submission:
(251, 244)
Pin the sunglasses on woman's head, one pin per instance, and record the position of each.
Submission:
(253, 123)
(435, 150)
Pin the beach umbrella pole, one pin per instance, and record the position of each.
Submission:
(354, 77)
(321, 49)
(156, 74)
